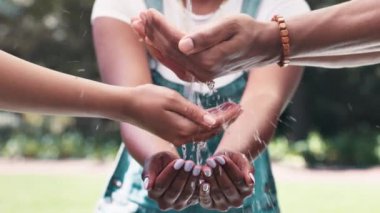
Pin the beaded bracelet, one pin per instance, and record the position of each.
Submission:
(285, 41)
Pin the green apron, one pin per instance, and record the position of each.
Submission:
(125, 192)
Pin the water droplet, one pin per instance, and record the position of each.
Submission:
(349, 106)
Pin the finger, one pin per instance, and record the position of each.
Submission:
(205, 38)
(204, 196)
(165, 178)
(236, 175)
(245, 165)
(225, 184)
(156, 22)
(138, 27)
(219, 200)
(194, 113)
(153, 167)
(177, 69)
(207, 135)
(225, 113)
(178, 184)
(184, 200)
(194, 199)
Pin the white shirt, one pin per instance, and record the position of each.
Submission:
(176, 14)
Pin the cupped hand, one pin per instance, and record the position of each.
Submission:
(235, 43)
(228, 180)
(170, 181)
(167, 114)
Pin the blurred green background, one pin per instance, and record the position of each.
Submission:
(333, 120)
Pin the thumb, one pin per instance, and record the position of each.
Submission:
(205, 38)
(195, 113)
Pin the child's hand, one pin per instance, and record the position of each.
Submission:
(167, 114)
(230, 180)
(170, 181)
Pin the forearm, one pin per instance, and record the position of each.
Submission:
(327, 36)
(267, 94)
(26, 87)
(142, 145)
(122, 61)
(251, 132)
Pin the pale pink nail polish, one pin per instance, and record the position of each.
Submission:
(188, 166)
(178, 164)
(211, 163)
(207, 172)
(252, 178)
(196, 171)
(146, 183)
(220, 160)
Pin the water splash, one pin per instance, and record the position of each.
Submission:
(199, 148)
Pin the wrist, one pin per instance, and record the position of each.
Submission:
(117, 104)
(270, 38)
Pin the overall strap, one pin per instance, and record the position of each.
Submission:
(250, 7)
(156, 4)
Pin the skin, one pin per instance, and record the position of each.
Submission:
(340, 36)
(52, 92)
(264, 104)
(229, 183)
(248, 136)
(124, 62)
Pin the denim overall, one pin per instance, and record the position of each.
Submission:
(125, 192)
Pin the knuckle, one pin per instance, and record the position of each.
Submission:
(172, 96)
(217, 195)
(158, 187)
(229, 190)
(171, 195)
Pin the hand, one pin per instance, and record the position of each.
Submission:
(167, 114)
(228, 180)
(170, 181)
(225, 47)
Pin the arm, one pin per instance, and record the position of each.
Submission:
(123, 61)
(338, 36)
(343, 35)
(26, 87)
(268, 91)
(337, 31)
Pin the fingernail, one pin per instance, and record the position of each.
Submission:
(209, 119)
(206, 187)
(196, 171)
(207, 172)
(211, 162)
(186, 45)
(188, 166)
(146, 183)
(220, 160)
(252, 178)
(178, 164)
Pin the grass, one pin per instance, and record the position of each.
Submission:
(61, 194)
(329, 197)
(49, 193)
